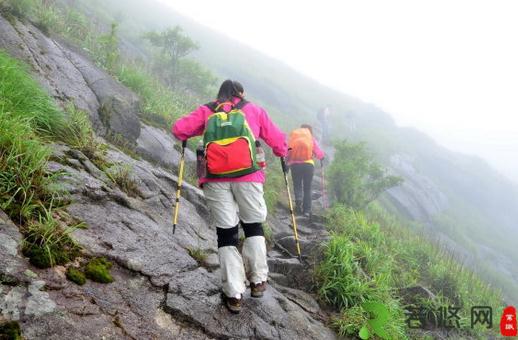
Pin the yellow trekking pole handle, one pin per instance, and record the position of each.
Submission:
(179, 186)
(293, 220)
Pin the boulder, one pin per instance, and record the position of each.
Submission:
(158, 146)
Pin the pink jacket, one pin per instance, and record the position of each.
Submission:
(262, 127)
(317, 152)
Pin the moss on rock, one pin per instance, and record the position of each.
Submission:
(76, 276)
(98, 270)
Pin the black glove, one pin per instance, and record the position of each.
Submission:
(285, 167)
(322, 162)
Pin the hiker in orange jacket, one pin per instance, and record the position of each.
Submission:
(302, 148)
(238, 199)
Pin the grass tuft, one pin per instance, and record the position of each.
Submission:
(122, 175)
(47, 242)
(198, 254)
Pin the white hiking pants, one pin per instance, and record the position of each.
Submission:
(230, 203)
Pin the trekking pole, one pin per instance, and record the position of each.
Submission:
(179, 185)
(293, 220)
(324, 193)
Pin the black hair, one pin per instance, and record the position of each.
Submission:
(228, 90)
(239, 87)
(307, 126)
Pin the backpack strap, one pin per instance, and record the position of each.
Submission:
(212, 106)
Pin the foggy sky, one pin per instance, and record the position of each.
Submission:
(447, 67)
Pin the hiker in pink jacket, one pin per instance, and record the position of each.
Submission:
(238, 199)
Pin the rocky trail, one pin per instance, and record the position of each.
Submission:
(159, 290)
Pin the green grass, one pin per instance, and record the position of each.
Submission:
(161, 106)
(28, 193)
(371, 257)
(27, 119)
(78, 133)
(275, 186)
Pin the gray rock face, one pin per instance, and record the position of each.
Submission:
(69, 77)
(118, 106)
(51, 66)
(159, 290)
(417, 197)
(12, 266)
(21, 294)
(158, 146)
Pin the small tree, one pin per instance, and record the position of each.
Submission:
(356, 179)
(173, 45)
(194, 77)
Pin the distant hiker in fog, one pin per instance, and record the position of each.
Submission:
(323, 119)
(302, 148)
(233, 183)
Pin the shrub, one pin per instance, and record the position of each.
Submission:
(98, 270)
(356, 179)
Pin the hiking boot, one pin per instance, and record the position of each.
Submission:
(233, 304)
(308, 215)
(258, 289)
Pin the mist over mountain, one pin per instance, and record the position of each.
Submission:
(90, 173)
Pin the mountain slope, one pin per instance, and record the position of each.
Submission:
(161, 289)
(462, 200)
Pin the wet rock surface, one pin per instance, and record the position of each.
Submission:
(159, 292)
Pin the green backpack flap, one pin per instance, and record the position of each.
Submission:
(229, 143)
